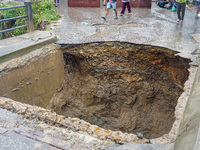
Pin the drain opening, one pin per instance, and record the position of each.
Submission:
(122, 86)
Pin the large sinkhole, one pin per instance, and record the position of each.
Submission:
(121, 86)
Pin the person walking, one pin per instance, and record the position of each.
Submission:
(125, 3)
(198, 8)
(181, 5)
(110, 4)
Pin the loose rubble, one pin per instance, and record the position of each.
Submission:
(74, 124)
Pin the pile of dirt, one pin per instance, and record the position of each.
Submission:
(122, 86)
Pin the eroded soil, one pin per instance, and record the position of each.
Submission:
(121, 86)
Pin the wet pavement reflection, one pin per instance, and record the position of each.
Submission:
(155, 26)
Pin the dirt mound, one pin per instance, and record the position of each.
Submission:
(121, 86)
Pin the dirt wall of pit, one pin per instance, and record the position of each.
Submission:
(122, 86)
(34, 77)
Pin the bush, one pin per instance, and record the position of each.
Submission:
(42, 10)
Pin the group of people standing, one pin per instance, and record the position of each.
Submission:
(181, 5)
(113, 4)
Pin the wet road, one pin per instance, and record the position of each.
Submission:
(155, 26)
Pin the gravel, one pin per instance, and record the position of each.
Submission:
(8, 143)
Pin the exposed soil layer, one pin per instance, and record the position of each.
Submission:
(122, 86)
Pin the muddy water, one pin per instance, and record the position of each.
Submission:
(121, 86)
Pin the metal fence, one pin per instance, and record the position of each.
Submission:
(28, 15)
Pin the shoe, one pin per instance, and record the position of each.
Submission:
(116, 18)
(196, 17)
(103, 18)
(121, 14)
(130, 13)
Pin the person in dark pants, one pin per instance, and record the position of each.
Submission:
(181, 5)
(124, 4)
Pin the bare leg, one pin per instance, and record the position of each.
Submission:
(115, 12)
(107, 10)
(104, 2)
(198, 8)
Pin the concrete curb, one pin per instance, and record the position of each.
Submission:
(188, 137)
(15, 46)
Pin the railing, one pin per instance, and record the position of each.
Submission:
(28, 15)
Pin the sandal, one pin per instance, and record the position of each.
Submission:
(103, 18)
(180, 20)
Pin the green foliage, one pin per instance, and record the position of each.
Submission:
(42, 10)
(10, 13)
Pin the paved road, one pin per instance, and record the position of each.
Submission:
(154, 26)
(17, 133)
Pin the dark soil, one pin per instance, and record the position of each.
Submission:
(121, 86)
